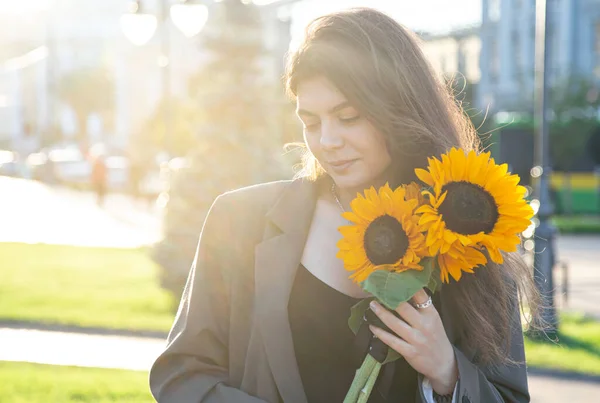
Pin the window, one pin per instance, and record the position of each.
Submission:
(494, 10)
(597, 37)
(494, 61)
(517, 51)
(443, 64)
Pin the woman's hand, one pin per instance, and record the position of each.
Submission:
(421, 339)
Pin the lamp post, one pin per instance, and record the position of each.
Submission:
(544, 233)
(139, 27)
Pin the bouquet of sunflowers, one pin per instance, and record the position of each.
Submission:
(401, 240)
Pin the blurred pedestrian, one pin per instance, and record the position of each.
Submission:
(99, 178)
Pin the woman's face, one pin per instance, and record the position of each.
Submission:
(350, 149)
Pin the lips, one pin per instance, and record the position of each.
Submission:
(341, 165)
(340, 162)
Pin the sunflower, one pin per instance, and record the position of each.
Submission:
(414, 191)
(384, 234)
(474, 204)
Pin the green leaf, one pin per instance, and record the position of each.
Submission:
(392, 289)
(435, 282)
(356, 314)
(392, 355)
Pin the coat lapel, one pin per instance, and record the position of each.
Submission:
(276, 261)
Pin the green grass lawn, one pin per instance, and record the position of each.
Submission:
(577, 224)
(110, 288)
(576, 349)
(114, 288)
(33, 383)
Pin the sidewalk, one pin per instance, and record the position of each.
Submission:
(582, 255)
(76, 349)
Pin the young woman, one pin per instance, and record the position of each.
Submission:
(264, 314)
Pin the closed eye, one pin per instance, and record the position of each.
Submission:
(349, 120)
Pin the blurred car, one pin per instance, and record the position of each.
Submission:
(63, 163)
(70, 165)
(10, 164)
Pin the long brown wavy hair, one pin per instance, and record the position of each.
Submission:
(379, 66)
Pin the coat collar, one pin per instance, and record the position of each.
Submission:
(276, 261)
(293, 210)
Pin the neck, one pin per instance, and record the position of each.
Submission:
(345, 196)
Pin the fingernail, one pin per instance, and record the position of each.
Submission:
(374, 306)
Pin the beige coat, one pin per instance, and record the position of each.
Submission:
(231, 340)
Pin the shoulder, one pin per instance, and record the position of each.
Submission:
(263, 193)
(255, 199)
(255, 196)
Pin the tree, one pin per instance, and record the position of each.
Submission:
(151, 137)
(574, 104)
(237, 144)
(574, 109)
(87, 91)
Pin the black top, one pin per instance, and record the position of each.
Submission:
(325, 347)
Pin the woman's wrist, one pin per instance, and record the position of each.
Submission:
(444, 382)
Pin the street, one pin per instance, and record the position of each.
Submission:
(32, 212)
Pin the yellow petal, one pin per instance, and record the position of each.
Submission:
(458, 164)
(352, 217)
(424, 176)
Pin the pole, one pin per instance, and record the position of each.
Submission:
(544, 233)
(165, 65)
(49, 132)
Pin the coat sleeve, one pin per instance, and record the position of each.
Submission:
(491, 384)
(194, 365)
(498, 384)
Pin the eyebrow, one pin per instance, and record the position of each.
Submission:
(335, 109)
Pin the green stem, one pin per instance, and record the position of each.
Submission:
(364, 380)
(370, 384)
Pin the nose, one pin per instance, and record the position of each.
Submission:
(331, 138)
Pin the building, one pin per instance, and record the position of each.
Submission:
(41, 47)
(507, 60)
(455, 56)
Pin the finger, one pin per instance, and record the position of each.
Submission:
(420, 297)
(409, 313)
(397, 325)
(402, 347)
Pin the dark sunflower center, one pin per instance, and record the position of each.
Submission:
(468, 208)
(385, 240)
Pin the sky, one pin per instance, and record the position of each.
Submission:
(425, 15)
